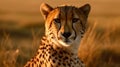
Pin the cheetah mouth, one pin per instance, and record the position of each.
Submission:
(66, 40)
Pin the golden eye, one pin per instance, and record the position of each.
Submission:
(75, 20)
(57, 20)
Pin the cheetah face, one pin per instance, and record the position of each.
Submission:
(65, 24)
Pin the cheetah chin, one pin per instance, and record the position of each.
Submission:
(65, 43)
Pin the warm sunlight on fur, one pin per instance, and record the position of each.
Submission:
(64, 28)
(67, 23)
(22, 27)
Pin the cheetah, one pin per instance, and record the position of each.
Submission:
(64, 29)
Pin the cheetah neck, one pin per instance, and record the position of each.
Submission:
(51, 55)
(55, 53)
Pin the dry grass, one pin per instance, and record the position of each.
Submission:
(18, 45)
(100, 46)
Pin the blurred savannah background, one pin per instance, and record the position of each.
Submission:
(22, 26)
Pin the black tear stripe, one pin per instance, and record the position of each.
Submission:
(60, 20)
(83, 28)
(59, 17)
(73, 27)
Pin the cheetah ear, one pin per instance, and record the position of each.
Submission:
(86, 9)
(45, 9)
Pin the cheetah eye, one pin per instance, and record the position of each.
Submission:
(75, 20)
(57, 20)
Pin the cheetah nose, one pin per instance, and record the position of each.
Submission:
(66, 34)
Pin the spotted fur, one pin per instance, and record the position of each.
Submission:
(64, 28)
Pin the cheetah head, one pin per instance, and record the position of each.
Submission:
(65, 24)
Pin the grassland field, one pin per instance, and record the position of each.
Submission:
(22, 26)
